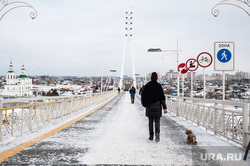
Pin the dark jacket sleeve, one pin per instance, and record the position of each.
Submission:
(163, 103)
(163, 99)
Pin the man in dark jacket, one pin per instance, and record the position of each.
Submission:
(132, 94)
(153, 99)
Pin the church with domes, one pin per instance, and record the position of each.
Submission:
(17, 86)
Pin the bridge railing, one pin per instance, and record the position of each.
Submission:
(224, 118)
(23, 115)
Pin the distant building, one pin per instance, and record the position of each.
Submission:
(189, 75)
(17, 86)
(171, 75)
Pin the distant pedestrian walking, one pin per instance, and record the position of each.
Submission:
(153, 99)
(119, 90)
(132, 92)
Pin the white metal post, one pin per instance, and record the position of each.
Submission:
(215, 118)
(198, 115)
(12, 123)
(178, 83)
(233, 131)
(182, 85)
(22, 121)
(191, 84)
(177, 106)
(204, 84)
(31, 117)
(101, 79)
(1, 121)
(50, 112)
(246, 124)
(223, 85)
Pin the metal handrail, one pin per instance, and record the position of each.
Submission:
(21, 120)
(231, 124)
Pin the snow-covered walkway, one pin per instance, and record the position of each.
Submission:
(118, 134)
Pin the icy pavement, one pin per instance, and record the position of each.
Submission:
(118, 134)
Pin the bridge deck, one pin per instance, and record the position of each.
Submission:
(117, 133)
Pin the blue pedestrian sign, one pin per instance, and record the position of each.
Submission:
(224, 56)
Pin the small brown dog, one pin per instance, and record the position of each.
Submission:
(191, 139)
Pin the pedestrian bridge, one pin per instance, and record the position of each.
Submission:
(108, 129)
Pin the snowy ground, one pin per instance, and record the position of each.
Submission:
(118, 134)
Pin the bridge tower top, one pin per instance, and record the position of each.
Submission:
(128, 41)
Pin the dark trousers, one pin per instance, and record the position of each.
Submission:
(132, 98)
(151, 124)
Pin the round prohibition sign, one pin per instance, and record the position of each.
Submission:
(204, 59)
(182, 67)
(192, 64)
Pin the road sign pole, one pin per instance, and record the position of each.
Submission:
(204, 84)
(178, 77)
(178, 84)
(223, 85)
(191, 84)
(183, 85)
(101, 80)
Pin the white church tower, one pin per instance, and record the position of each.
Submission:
(11, 75)
(23, 75)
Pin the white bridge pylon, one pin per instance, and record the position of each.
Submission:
(128, 42)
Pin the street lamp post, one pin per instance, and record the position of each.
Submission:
(136, 75)
(101, 80)
(114, 71)
(177, 60)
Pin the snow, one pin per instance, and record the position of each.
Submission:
(125, 140)
(118, 134)
(67, 94)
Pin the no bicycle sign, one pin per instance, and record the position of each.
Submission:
(204, 59)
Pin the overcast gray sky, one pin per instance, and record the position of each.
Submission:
(80, 37)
